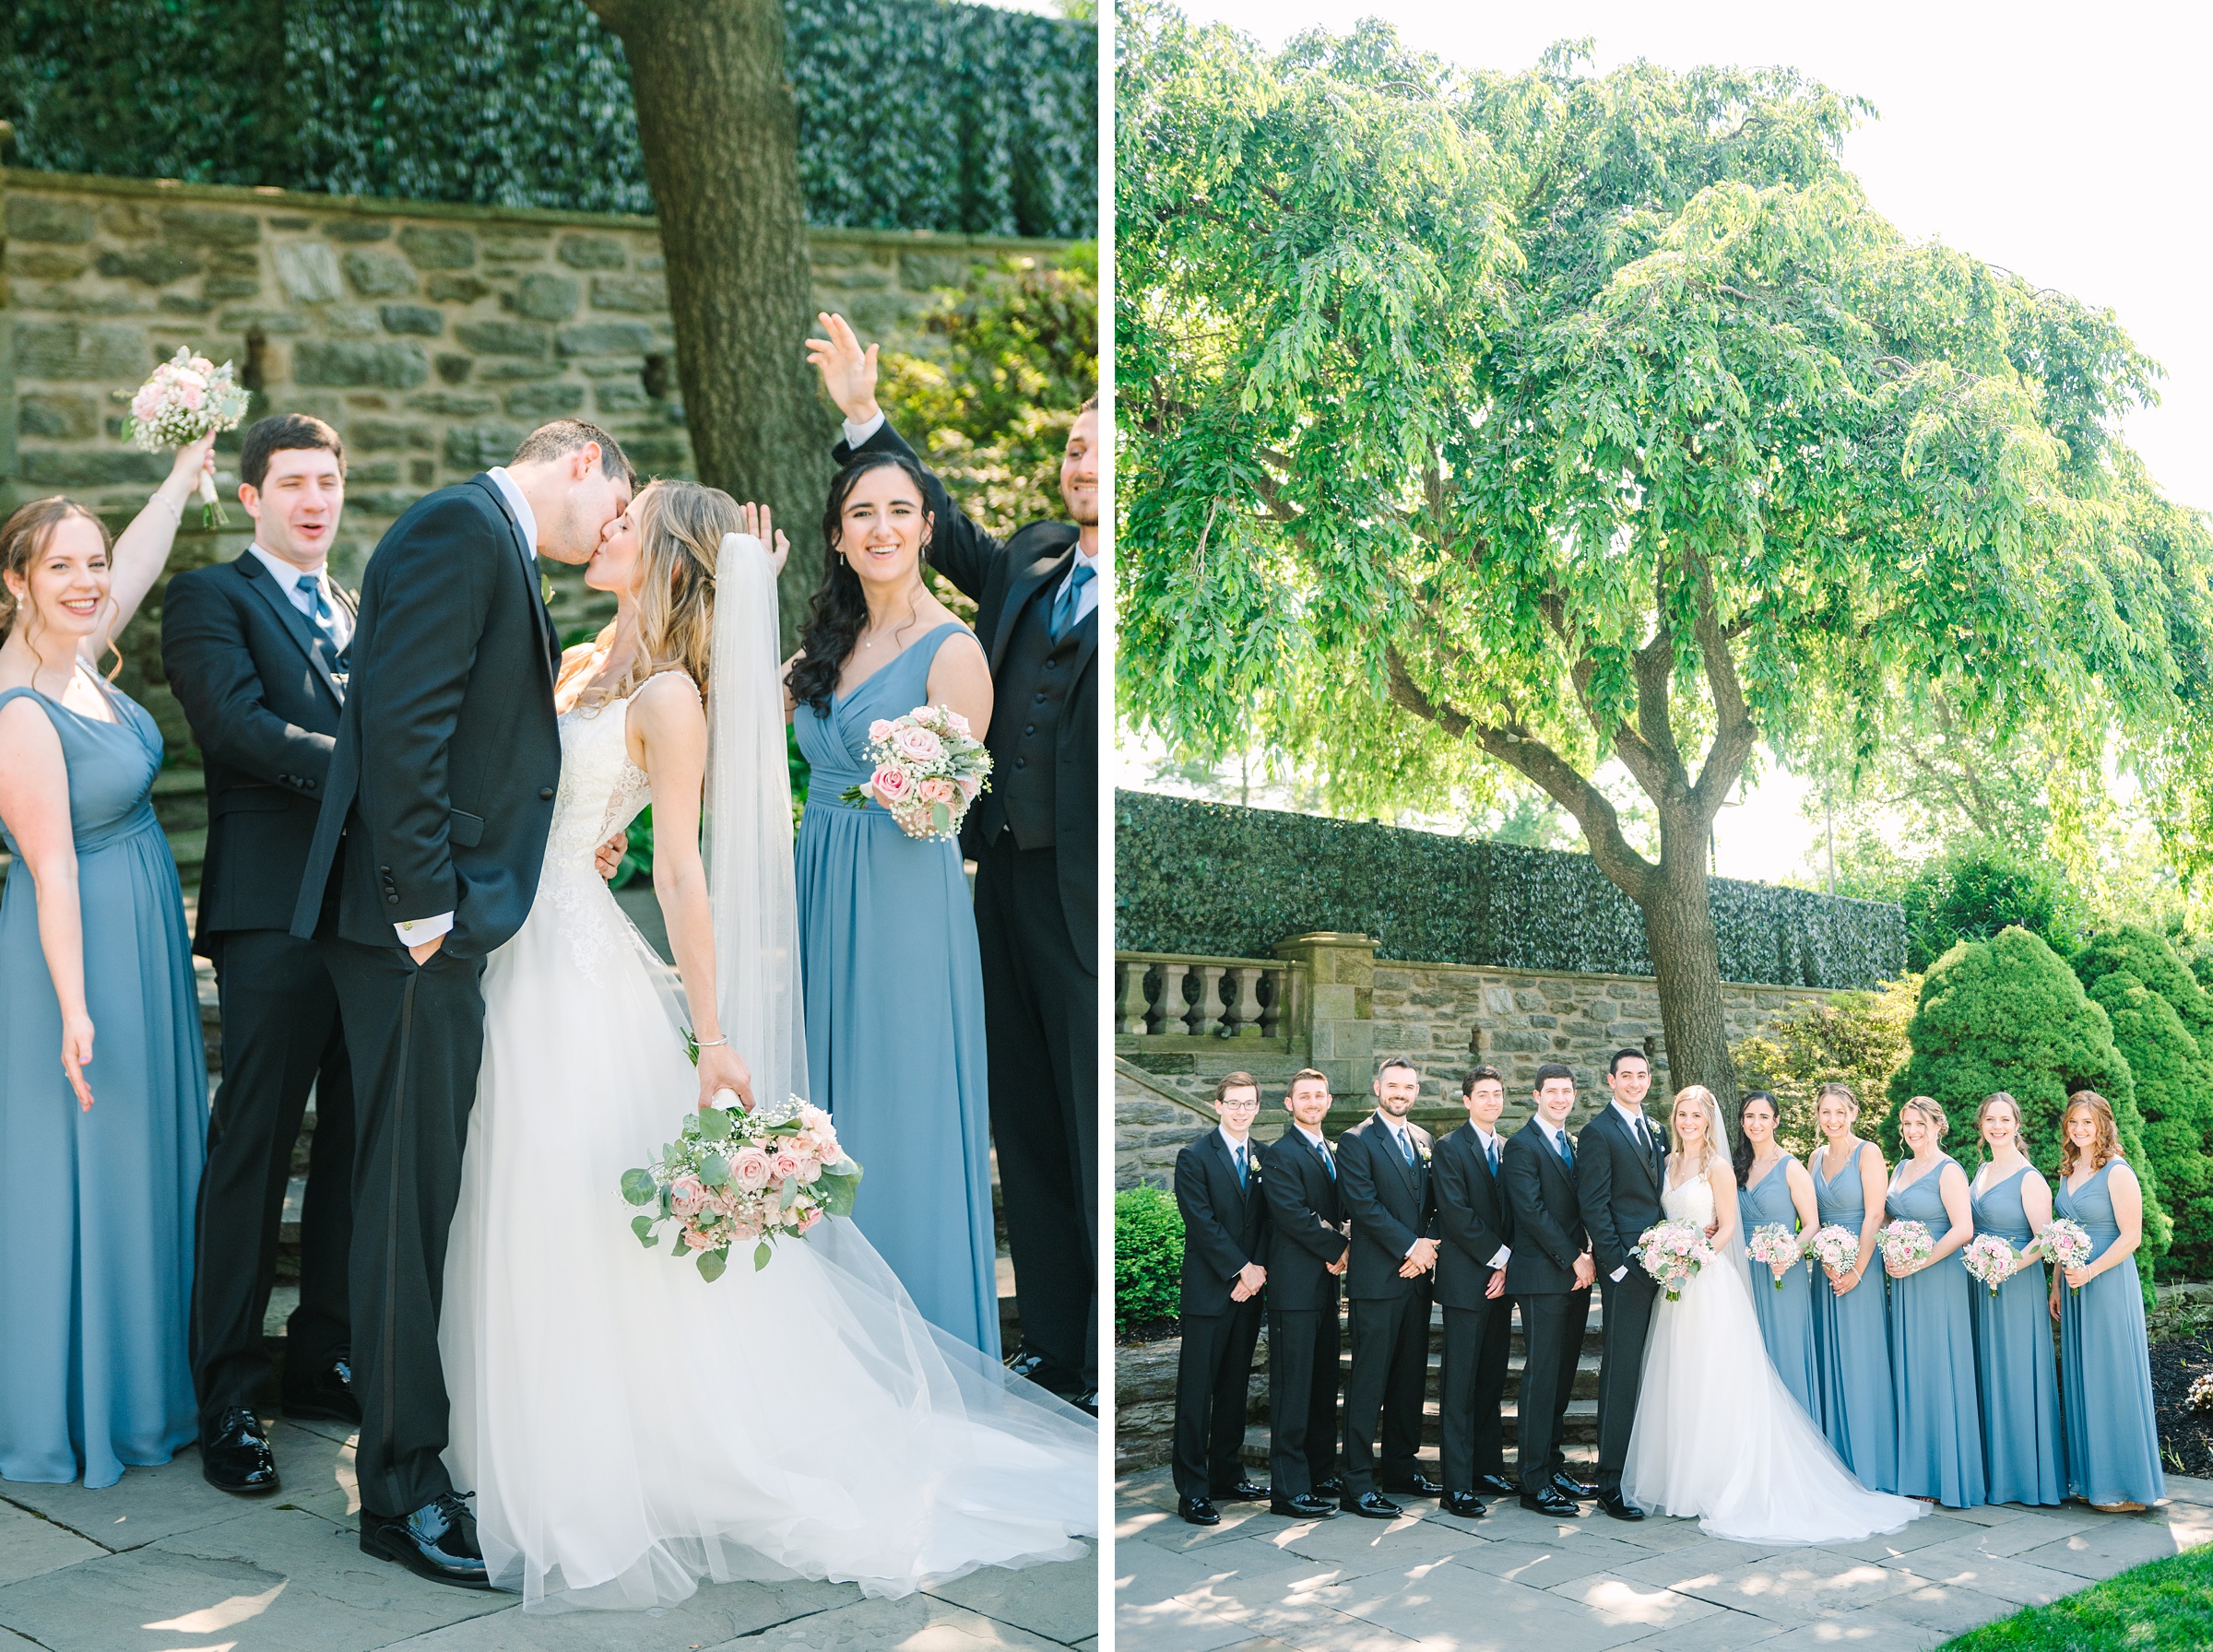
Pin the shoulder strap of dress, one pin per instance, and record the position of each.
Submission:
(18, 692)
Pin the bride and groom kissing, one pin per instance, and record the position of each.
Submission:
(625, 1428)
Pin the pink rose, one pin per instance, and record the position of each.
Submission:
(813, 1117)
(750, 1169)
(697, 1240)
(826, 1144)
(809, 1219)
(785, 1165)
(804, 1147)
(880, 729)
(939, 791)
(890, 785)
(971, 785)
(192, 395)
(811, 1171)
(918, 745)
(953, 720)
(687, 1196)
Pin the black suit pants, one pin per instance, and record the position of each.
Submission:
(1477, 1341)
(417, 1038)
(1214, 1371)
(1041, 1034)
(1390, 1374)
(281, 1039)
(1628, 1321)
(1552, 1342)
(1302, 1398)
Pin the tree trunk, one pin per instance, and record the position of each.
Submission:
(720, 135)
(1678, 931)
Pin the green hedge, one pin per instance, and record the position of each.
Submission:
(1213, 878)
(914, 114)
(1148, 1257)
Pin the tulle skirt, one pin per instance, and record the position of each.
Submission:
(631, 1429)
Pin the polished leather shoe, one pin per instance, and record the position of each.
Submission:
(1332, 1487)
(1498, 1485)
(1420, 1485)
(1199, 1511)
(1466, 1504)
(1369, 1505)
(1245, 1490)
(437, 1541)
(1305, 1506)
(326, 1394)
(1567, 1485)
(1549, 1501)
(1087, 1401)
(1620, 1508)
(235, 1455)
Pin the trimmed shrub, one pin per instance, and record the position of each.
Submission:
(2008, 1014)
(1856, 1038)
(1148, 1257)
(2146, 954)
(1972, 894)
(2176, 1101)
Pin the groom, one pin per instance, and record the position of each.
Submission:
(425, 857)
(1620, 1163)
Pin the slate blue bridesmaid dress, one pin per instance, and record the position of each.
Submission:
(1852, 1342)
(1786, 1313)
(895, 992)
(96, 1208)
(2013, 1361)
(2108, 1420)
(1933, 1362)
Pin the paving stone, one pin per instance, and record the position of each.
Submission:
(1866, 1631)
(1618, 1604)
(718, 1613)
(917, 1623)
(1440, 1605)
(1923, 1533)
(1374, 1545)
(2114, 1544)
(1720, 1631)
(1059, 1600)
(31, 1545)
(144, 1506)
(1951, 1608)
(1795, 1586)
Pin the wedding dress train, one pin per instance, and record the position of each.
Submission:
(1718, 1435)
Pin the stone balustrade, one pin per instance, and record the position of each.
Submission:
(1161, 995)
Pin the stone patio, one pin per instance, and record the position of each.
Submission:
(164, 1562)
(1520, 1581)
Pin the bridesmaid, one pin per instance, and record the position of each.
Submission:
(887, 930)
(2112, 1437)
(1851, 1328)
(1932, 1329)
(1778, 1191)
(2012, 1345)
(103, 1081)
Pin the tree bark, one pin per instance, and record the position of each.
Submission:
(720, 135)
(1687, 962)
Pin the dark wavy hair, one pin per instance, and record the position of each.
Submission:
(838, 609)
(1742, 1156)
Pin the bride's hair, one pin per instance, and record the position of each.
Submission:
(1717, 1134)
(680, 528)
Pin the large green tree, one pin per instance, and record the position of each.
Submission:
(1581, 423)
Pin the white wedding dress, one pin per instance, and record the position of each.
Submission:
(1718, 1435)
(630, 1429)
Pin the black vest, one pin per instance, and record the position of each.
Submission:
(1033, 681)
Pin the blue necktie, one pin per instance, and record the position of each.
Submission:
(1328, 1162)
(1240, 1158)
(1566, 1152)
(1490, 1153)
(1064, 605)
(318, 606)
(1405, 1147)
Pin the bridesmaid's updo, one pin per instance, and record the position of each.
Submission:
(2105, 1146)
(1836, 1088)
(1926, 1106)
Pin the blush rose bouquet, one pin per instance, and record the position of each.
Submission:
(1906, 1243)
(1836, 1247)
(1990, 1259)
(731, 1177)
(1778, 1248)
(930, 768)
(1672, 1252)
(2068, 1243)
(187, 397)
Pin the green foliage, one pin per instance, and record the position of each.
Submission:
(2176, 1102)
(1213, 878)
(974, 118)
(1972, 894)
(2008, 1014)
(1857, 1039)
(1148, 1257)
(2146, 954)
(2164, 1606)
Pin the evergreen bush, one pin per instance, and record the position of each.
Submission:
(1857, 1038)
(2176, 1101)
(2147, 955)
(2008, 1014)
(1973, 894)
(1148, 1257)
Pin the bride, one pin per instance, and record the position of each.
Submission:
(1717, 1435)
(629, 1428)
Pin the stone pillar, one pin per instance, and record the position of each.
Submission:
(1333, 981)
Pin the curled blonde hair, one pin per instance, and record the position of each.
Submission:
(1926, 1106)
(2104, 1147)
(681, 528)
(1717, 1134)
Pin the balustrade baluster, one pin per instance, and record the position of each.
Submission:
(1278, 977)
(1206, 1015)
(1171, 1010)
(1243, 1017)
(1129, 997)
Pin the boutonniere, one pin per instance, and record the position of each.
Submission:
(545, 589)
(1422, 1153)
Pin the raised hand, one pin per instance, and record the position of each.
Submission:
(759, 522)
(848, 372)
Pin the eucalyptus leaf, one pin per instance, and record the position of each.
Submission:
(761, 1256)
(712, 1263)
(714, 1125)
(643, 1227)
(638, 1186)
(714, 1170)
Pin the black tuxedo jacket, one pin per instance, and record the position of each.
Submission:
(1002, 579)
(1547, 1216)
(1388, 1202)
(1305, 1224)
(263, 691)
(447, 760)
(1473, 1218)
(1224, 1226)
(1617, 1184)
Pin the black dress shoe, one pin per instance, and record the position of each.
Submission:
(1368, 1506)
(1245, 1490)
(1549, 1501)
(1466, 1504)
(235, 1455)
(437, 1541)
(1498, 1485)
(1087, 1401)
(1199, 1511)
(327, 1394)
(1568, 1486)
(1332, 1487)
(1305, 1506)
(1614, 1504)
(1419, 1485)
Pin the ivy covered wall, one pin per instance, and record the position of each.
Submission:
(914, 114)
(1222, 881)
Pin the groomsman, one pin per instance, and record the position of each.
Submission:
(255, 652)
(1621, 1162)
(1034, 837)
(1549, 1273)
(1383, 1182)
(1224, 1235)
(1474, 1228)
(1307, 1254)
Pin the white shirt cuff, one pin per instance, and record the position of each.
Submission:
(858, 434)
(1410, 1249)
(1619, 1274)
(419, 932)
(1499, 1260)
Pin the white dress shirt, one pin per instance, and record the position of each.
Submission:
(339, 627)
(419, 932)
(1404, 1148)
(1642, 1134)
(1495, 1150)
(1237, 1147)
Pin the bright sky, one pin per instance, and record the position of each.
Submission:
(2066, 143)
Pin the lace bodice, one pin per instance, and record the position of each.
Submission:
(1691, 1202)
(601, 793)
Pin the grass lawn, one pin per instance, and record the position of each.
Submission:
(2164, 1607)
